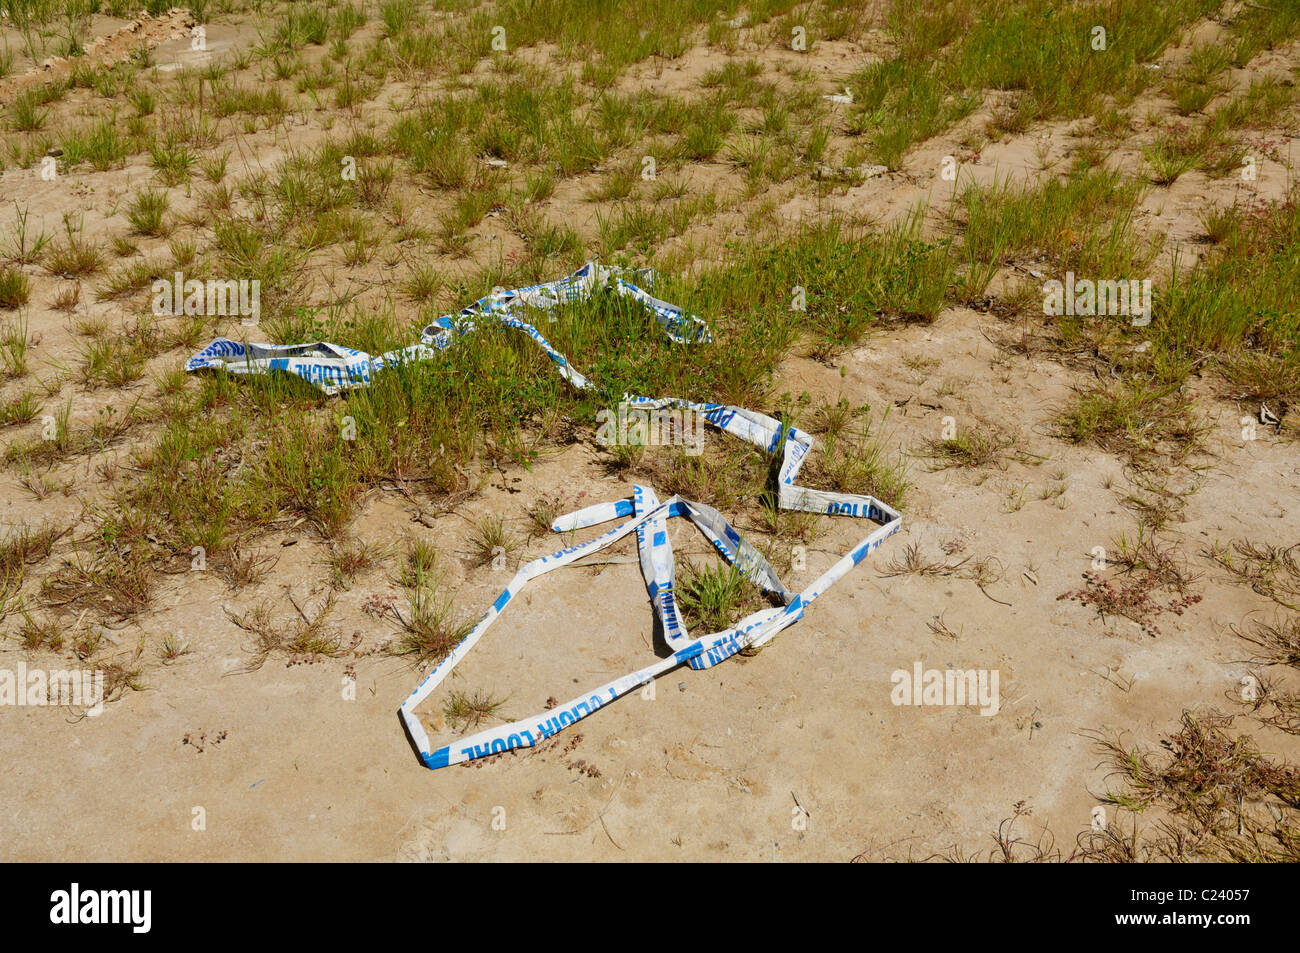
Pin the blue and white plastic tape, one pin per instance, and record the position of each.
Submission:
(333, 368)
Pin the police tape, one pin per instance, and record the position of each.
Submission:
(700, 653)
(333, 368)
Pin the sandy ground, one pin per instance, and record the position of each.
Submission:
(794, 754)
(711, 767)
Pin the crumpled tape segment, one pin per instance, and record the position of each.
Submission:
(705, 652)
(333, 368)
(681, 327)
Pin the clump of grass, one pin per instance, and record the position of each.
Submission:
(722, 478)
(14, 288)
(420, 565)
(117, 585)
(172, 647)
(898, 103)
(172, 158)
(1258, 375)
(1274, 706)
(1198, 81)
(123, 673)
(974, 445)
(120, 360)
(74, 256)
(309, 474)
(184, 251)
(143, 100)
(26, 113)
(35, 633)
(856, 459)
(1010, 847)
(465, 710)
(1151, 423)
(1222, 224)
(242, 566)
(22, 246)
(1083, 221)
(147, 211)
(1235, 304)
(1155, 498)
(102, 145)
(1171, 155)
(19, 410)
(13, 347)
(911, 562)
(67, 298)
(431, 625)
(423, 283)
(23, 547)
(715, 597)
(131, 277)
(350, 559)
(304, 638)
(245, 247)
(492, 541)
(214, 167)
(1145, 554)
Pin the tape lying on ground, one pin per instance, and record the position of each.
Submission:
(333, 368)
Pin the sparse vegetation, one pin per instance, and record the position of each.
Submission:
(715, 597)
(375, 166)
(467, 710)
